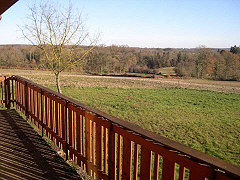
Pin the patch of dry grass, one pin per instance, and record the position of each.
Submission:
(167, 71)
(77, 80)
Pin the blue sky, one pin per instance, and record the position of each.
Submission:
(146, 23)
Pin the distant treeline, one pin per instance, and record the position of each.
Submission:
(222, 64)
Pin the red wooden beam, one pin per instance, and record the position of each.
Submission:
(5, 4)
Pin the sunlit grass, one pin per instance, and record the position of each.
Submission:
(204, 120)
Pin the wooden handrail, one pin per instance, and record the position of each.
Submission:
(115, 128)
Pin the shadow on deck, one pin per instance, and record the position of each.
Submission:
(25, 155)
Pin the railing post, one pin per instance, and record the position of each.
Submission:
(7, 92)
(66, 150)
(26, 100)
(42, 111)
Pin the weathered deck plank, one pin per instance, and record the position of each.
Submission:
(25, 155)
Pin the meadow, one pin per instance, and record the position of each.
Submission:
(205, 120)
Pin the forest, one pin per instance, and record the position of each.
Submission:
(201, 62)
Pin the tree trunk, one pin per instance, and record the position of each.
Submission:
(58, 84)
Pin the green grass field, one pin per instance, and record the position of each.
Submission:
(208, 121)
(204, 120)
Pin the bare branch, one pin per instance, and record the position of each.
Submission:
(58, 32)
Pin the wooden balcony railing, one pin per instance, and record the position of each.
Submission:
(108, 147)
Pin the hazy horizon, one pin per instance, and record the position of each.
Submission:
(133, 46)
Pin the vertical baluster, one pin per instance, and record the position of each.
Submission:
(119, 158)
(41, 99)
(127, 158)
(93, 146)
(181, 173)
(6, 92)
(93, 143)
(146, 164)
(63, 108)
(36, 104)
(1, 94)
(26, 99)
(113, 152)
(156, 166)
(30, 104)
(9, 92)
(99, 149)
(195, 174)
(2, 98)
(17, 94)
(81, 134)
(56, 122)
(168, 170)
(105, 150)
(46, 113)
(16, 91)
(51, 115)
(33, 105)
(87, 141)
(23, 97)
(37, 107)
(64, 111)
(13, 93)
(135, 172)
(20, 96)
(70, 130)
(83, 137)
(78, 136)
(74, 130)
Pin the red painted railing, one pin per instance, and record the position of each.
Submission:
(108, 147)
(5, 88)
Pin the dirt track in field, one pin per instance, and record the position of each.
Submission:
(70, 79)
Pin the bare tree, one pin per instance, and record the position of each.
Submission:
(61, 34)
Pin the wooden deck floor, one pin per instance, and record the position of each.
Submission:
(25, 155)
